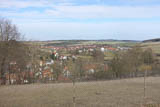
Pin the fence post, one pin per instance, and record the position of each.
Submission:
(74, 94)
(145, 74)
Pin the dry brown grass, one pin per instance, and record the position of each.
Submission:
(155, 46)
(115, 93)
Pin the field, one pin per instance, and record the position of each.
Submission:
(84, 42)
(155, 46)
(114, 93)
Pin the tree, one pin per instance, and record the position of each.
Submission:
(148, 57)
(117, 65)
(135, 59)
(127, 63)
(98, 56)
(57, 69)
(80, 64)
(11, 48)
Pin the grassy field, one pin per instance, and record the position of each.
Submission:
(155, 46)
(115, 93)
(81, 42)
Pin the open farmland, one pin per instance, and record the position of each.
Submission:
(155, 46)
(114, 93)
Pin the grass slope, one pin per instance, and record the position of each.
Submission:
(155, 46)
(121, 93)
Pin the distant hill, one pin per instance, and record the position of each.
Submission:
(85, 42)
(115, 40)
(152, 40)
(100, 40)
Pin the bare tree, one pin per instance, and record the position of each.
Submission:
(98, 56)
(8, 31)
(57, 69)
(11, 49)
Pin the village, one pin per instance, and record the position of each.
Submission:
(52, 67)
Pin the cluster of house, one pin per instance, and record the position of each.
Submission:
(45, 70)
(48, 74)
(55, 56)
(86, 48)
(65, 74)
(16, 76)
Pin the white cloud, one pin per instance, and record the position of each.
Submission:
(99, 11)
(32, 3)
(47, 3)
(66, 9)
(21, 4)
(91, 12)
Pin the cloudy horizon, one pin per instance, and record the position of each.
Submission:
(84, 19)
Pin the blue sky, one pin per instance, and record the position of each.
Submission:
(84, 19)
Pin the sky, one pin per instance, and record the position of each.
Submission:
(84, 19)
